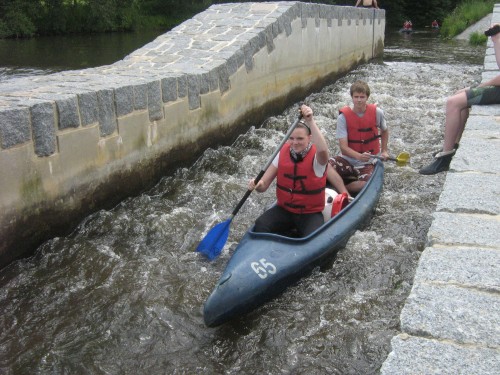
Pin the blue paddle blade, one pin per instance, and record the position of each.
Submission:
(214, 241)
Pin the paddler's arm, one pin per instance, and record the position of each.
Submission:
(384, 141)
(335, 180)
(347, 151)
(265, 181)
(322, 154)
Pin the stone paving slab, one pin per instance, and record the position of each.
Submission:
(490, 65)
(450, 312)
(485, 125)
(462, 194)
(473, 267)
(485, 110)
(464, 229)
(424, 356)
(475, 154)
(487, 75)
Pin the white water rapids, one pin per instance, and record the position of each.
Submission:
(123, 293)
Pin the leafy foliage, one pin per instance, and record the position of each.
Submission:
(465, 15)
(24, 18)
(478, 39)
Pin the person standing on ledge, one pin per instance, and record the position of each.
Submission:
(457, 111)
(367, 3)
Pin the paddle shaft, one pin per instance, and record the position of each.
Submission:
(391, 158)
(381, 158)
(263, 170)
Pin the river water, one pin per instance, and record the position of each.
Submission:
(48, 54)
(123, 294)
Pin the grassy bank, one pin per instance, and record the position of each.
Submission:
(466, 14)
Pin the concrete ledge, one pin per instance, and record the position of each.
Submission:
(450, 323)
(474, 268)
(419, 356)
(462, 194)
(464, 229)
(452, 312)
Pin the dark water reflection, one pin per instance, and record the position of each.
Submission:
(123, 293)
(43, 55)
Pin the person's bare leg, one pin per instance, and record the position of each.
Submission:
(457, 113)
(334, 178)
(464, 115)
(355, 187)
(456, 116)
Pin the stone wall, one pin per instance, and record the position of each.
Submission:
(77, 141)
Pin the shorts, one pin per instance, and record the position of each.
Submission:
(348, 172)
(483, 95)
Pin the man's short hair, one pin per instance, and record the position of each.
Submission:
(360, 86)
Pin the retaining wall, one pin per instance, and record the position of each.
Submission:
(77, 141)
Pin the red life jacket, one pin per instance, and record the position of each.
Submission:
(362, 132)
(299, 190)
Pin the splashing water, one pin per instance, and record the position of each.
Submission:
(124, 292)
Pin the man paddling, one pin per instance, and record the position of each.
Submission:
(362, 134)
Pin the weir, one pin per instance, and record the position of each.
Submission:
(77, 141)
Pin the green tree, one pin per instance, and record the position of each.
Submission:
(24, 18)
(53, 19)
(17, 18)
(421, 12)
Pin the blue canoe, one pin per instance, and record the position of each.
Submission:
(264, 264)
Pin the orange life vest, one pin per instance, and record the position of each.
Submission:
(299, 190)
(362, 132)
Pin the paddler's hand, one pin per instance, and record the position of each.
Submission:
(306, 112)
(252, 186)
(365, 157)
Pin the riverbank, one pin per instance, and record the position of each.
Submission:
(483, 24)
(450, 322)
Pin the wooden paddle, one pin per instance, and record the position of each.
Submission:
(211, 246)
(401, 160)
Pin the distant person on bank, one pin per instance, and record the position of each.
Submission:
(457, 111)
(367, 3)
